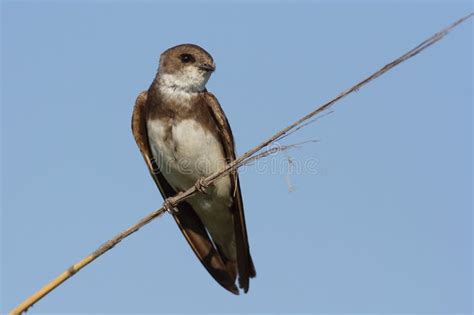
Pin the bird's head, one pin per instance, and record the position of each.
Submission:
(185, 68)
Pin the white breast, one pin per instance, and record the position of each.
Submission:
(184, 154)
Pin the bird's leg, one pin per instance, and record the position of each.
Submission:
(201, 185)
(169, 207)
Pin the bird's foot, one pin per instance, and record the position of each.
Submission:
(201, 185)
(169, 207)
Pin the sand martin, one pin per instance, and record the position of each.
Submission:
(183, 134)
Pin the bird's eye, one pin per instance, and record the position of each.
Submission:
(185, 58)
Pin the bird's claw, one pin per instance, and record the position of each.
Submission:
(201, 185)
(169, 207)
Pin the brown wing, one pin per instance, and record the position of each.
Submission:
(244, 260)
(186, 218)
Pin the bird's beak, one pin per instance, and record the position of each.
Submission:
(207, 67)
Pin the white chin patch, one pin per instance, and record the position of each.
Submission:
(184, 83)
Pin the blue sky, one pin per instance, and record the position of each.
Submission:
(380, 216)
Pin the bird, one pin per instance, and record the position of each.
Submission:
(184, 135)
